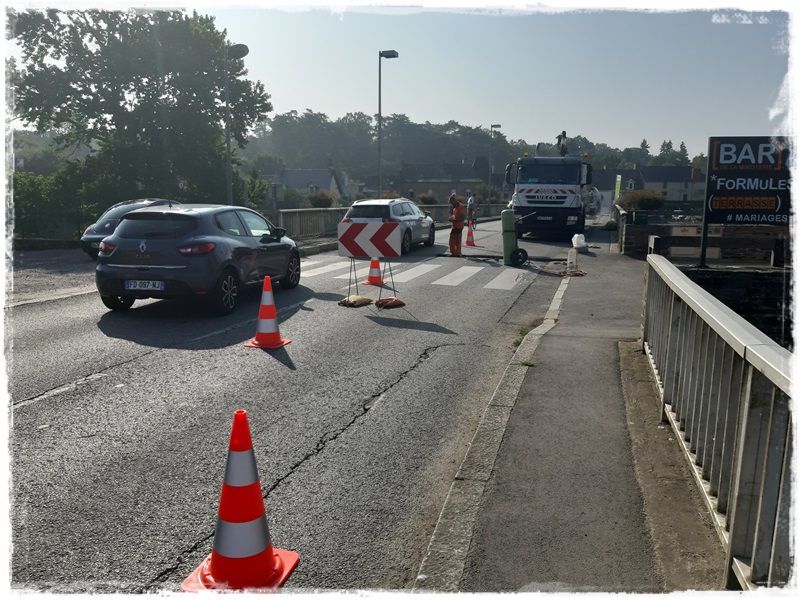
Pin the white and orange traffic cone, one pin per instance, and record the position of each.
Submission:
(470, 239)
(267, 334)
(243, 556)
(375, 277)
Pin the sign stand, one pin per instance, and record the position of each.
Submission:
(351, 277)
(386, 265)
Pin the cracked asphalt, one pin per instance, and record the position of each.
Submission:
(121, 423)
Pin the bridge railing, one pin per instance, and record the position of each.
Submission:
(725, 390)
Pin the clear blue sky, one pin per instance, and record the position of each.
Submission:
(614, 77)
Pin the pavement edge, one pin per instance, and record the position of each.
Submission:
(443, 566)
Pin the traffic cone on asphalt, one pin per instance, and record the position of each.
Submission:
(374, 277)
(470, 240)
(243, 556)
(267, 334)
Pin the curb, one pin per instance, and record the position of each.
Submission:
(443, 566)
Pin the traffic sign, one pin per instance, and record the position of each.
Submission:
(369, 240)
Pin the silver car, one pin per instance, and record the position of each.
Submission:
(416, 226)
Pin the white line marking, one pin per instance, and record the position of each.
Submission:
(507, 279)
(458, 276)
(326, 269)
(414, 272)
(61, 389)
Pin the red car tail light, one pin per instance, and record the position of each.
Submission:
(196, 249)
(106, 248)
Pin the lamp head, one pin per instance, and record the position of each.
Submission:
(388, 54)
(238, 51)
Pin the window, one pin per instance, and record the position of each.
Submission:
(230, 224)
(397, 210)
(368, 211)
(155, 226)
(630, 184)
(257, 225)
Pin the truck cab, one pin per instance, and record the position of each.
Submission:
(550, 193)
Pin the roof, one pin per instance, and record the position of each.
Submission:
(668, 174)
(606, 179)
(380, 201)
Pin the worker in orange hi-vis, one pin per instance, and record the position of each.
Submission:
(458, 215)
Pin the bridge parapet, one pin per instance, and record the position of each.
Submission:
(726, 393)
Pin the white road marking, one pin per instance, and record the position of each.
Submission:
(507, 279)
(414, 272)
(327, 269)
(458, 276)
(61, 389)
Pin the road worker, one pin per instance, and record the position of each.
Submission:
(458, 215)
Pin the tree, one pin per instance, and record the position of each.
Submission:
(645, 147)
(700, 162)
(683, 156)
(139, 88)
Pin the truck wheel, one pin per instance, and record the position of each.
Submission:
(518, 257)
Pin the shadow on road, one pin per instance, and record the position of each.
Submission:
(409, 324)
(193, 326)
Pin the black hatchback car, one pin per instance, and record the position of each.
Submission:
(108, 221)
(193, 251)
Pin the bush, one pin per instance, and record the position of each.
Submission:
(642, 200)
(426, 199)
(320, 200)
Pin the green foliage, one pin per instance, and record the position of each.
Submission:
(641, 200)
(293, 199)
(143, 90)
(700, 162)
(256, 193)
(320, 200)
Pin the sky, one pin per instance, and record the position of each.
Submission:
(614, 76)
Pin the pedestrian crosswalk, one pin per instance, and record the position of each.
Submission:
(447, 272)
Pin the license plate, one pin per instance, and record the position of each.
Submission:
(95, 244)
(544, 218)
(140, 284)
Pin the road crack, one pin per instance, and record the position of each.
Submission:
(329, 436)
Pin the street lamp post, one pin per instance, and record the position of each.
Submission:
(491, 148)
(381, 54)
(235, 52)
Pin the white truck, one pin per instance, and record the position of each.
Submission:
(551, 194)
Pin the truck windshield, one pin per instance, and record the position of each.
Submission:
(541, 173)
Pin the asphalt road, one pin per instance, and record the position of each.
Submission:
(121, 420)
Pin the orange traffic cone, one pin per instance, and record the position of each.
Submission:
(267, 334)
(470, 240)
(243, 555)
(374, 277)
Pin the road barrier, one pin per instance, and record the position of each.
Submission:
(267, 335)
(725, 389)
(243, 556)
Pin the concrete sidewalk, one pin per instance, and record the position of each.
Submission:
(587, 492)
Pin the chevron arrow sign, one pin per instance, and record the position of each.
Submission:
(369, 240)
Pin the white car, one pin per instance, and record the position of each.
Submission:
(416, 225)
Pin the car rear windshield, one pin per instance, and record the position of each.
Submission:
(368, 211)
(155, 226)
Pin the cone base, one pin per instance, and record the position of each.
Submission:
(378, 282)
(254, 343)
(201, 579)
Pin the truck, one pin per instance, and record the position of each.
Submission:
(551, 194)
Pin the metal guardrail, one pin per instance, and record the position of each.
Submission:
(314, 222)
(725, 390)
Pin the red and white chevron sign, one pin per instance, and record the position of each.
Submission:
(369, 240)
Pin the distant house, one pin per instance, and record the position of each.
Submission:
(438, 180)
(309, 181)
(678, 184)
(605, 180)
